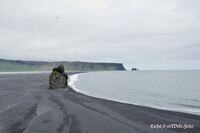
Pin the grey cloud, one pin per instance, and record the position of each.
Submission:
(151, 34)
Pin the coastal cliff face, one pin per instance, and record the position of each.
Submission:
(19, 65)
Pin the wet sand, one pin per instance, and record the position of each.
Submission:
(26, 105)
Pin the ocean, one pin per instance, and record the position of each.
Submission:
(168, 90)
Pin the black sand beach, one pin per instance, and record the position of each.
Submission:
(26, 105)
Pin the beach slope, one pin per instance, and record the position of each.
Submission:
(26, 105)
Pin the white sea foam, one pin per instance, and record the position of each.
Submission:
(72, 79)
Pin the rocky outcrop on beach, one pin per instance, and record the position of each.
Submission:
(58, 78)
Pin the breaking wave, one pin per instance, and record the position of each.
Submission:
(72, 79)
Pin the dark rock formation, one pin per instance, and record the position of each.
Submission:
(58, 78)
(59, 69)
(134, 69)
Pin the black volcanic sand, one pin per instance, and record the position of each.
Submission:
(26, 105)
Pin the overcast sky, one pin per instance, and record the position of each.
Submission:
(149, 34)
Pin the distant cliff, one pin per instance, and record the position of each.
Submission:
(19, 65)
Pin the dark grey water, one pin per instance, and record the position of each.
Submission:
(170, 90)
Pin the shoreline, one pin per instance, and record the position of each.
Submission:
(124, 102)
(28, 106)
(72, 85)
(129, 104)
(153, 116)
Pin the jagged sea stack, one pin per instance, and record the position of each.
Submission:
(58, 78)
